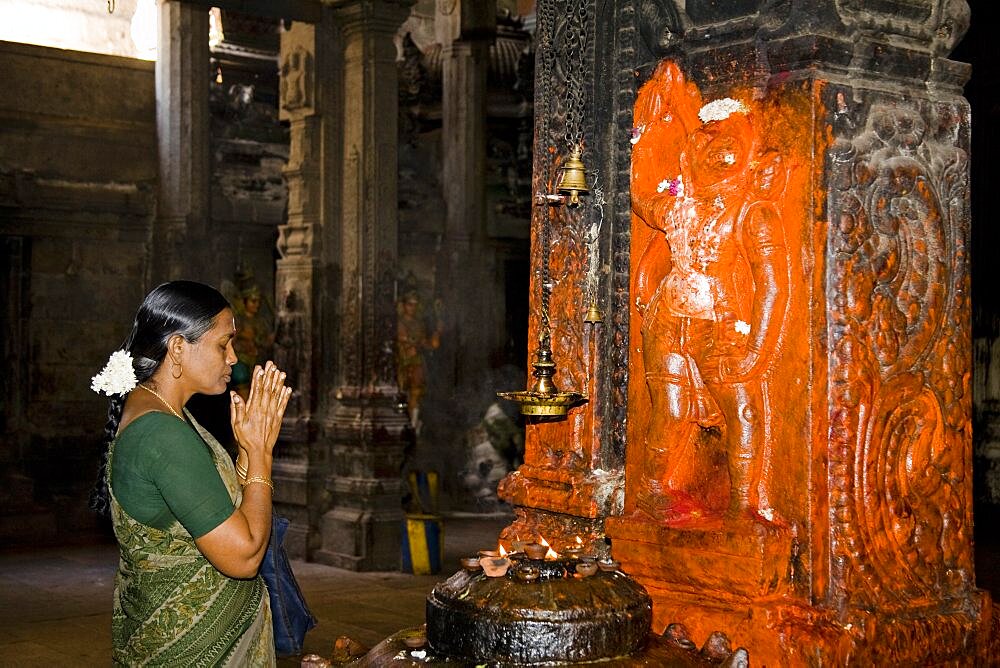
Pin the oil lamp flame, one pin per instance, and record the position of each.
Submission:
(551, 554)
(501, 550)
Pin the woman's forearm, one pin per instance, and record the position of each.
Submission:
(256, 508)
(237, 546)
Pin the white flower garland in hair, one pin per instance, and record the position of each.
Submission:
(720, 110)
(117, 376)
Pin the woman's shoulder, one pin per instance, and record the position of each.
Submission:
(152, 422)
(155, 428)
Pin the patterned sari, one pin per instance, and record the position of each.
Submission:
(172, 607)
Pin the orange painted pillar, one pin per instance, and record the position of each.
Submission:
(798, 471)
(786, 454)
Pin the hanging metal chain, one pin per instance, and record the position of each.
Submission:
(546, 19)
(575, 54)
(580, 74)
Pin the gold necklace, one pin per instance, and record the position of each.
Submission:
(157, 395)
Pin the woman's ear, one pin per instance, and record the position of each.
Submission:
(175, 347)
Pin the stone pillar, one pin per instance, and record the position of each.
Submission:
(182, 130)
(368, 421)
(306, 302)
(798, 472)
(793, 293)
(465, 29)
(571, 477)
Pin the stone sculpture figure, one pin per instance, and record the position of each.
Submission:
(296, 77)
(413, 340)
(711, 291)
(254, 331)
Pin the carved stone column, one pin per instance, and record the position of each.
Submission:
(182, 131)
(465, 31)
(786, 219)
(572, 476)
(306, 303)
(798, 465)
(368, 422)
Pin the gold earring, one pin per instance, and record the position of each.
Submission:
(179, 370)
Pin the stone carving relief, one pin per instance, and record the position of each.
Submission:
(413, 84)
(942, 23)
(899, 298)
(296, 79)
(711, 290)
(661, 25)
(289, 340)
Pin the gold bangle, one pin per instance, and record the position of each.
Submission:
(261, 479)
(241, 472)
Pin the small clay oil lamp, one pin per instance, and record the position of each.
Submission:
(572, 552)
(471, 564)
(415, 641)
(536, 550)
(495, 567)
(608, 565)
(494, 562)
(526, 572)
(586, 568)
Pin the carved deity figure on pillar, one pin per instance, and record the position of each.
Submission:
(296, 79)
(413, 342)
(711, 291)
(254, 338)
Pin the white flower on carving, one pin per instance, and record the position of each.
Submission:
(729, 158)
(719, 110)
(742, 327)
(673, 186)
(117, 376)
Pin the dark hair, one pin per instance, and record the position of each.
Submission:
(178, 307)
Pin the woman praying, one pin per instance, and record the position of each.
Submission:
(192, 528)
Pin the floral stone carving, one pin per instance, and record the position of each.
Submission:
(900, 395)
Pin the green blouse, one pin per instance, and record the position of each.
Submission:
(164, 471)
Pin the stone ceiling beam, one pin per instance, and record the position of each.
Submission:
(308, 11)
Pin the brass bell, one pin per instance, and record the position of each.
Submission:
(573, 180)
(593, 314)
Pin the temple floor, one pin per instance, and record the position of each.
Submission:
(55, 602)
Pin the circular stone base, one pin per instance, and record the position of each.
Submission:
(475, 618)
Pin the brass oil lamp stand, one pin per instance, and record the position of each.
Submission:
(543, 399)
